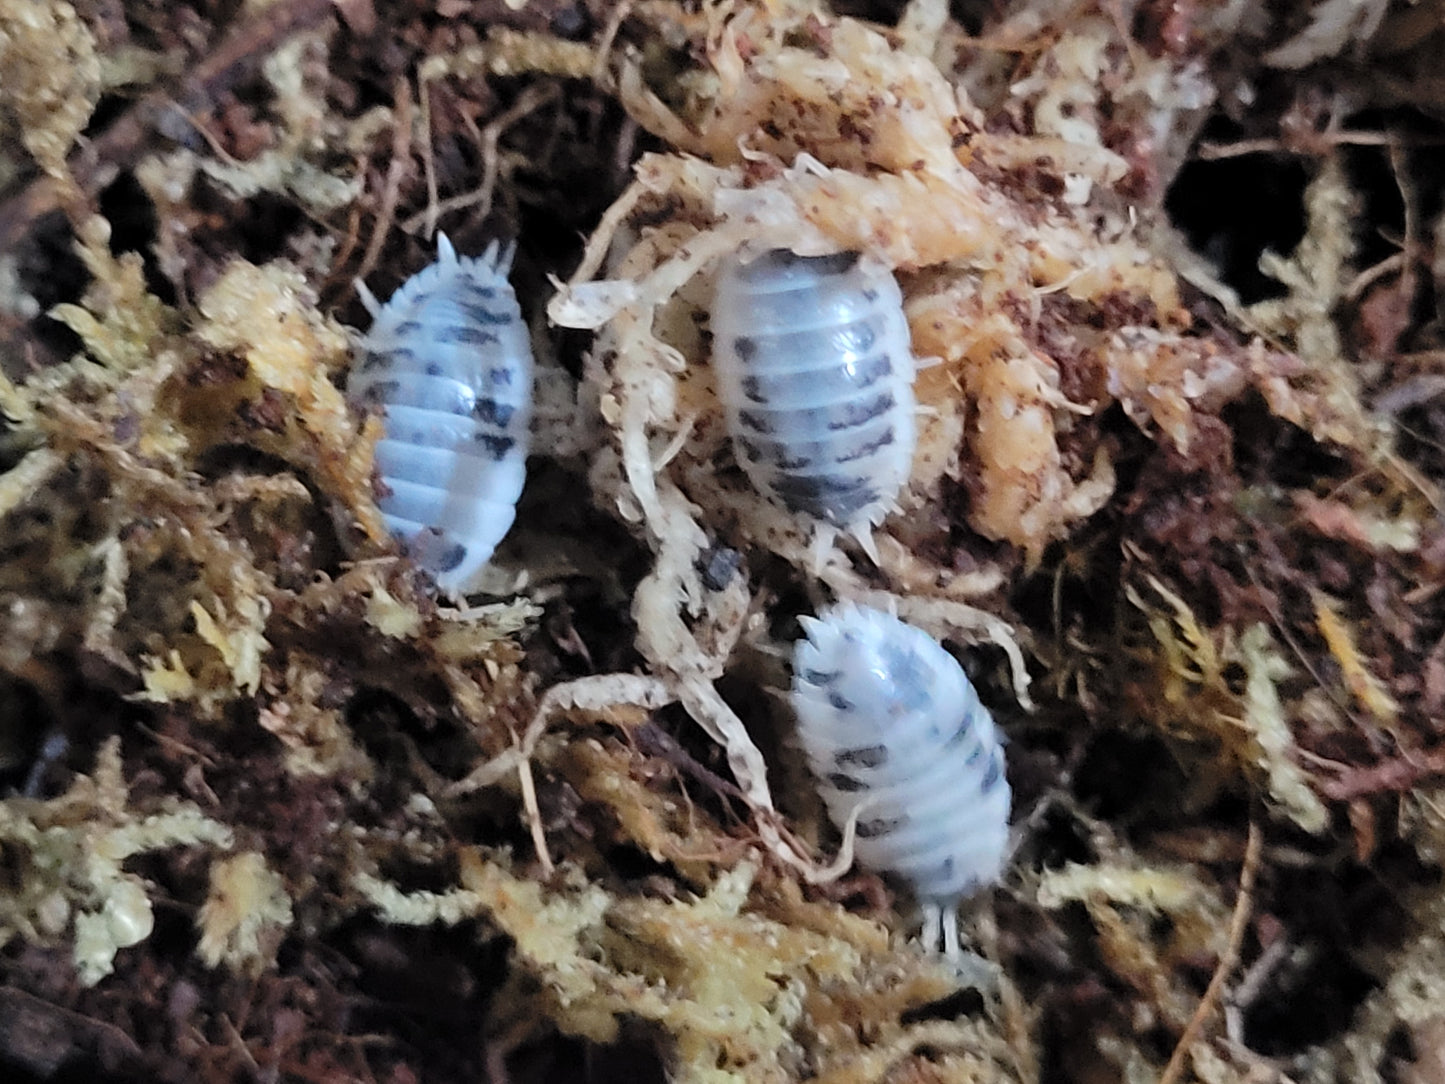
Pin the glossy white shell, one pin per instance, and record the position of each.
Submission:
(888, 716)
(815, 371)
(449, 363)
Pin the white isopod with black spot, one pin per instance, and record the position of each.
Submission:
(449, 364)
(890, 723)
(815, 371)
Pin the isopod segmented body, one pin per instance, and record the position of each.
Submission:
(449, 363)
(890, 722)
(815, 371)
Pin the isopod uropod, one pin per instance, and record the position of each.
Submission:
(815, 372)
(449, 363)
(890, 722)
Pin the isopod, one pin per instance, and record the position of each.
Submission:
(815, 371)
(449, 364)
(894, 729)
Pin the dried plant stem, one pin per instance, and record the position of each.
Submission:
(529, 101)
(1253, 849)
(401, 137)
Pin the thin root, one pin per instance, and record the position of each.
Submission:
(1253, 849)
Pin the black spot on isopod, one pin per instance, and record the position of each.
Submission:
(880, 826)
(501, 376)
(435, 551)
(751, 389)
(450, 558)
(826, 494)
(407, 327)
(497, 446)
(817, 485)
(870, 294)
(820, 677)
(863, 756)
(848, 505)
(483, 315)
(493, 412)
(992, 777)
(755, 421)
(372, 360)
(868, 449)
(961, 734)
(796, 463)
(839, 702)
(746, 347)
(378, 394)
(964, 732)
(433, 368)
(462, 333)
(846, 783)
(856, 414)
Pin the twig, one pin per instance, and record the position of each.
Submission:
(530, 100)
(1366, 278)
(428, 158)
(1212, 152)
(606, 41)
(238, 1044)
(534, 815)
(348, 243)
(787, 847)
(1398, 774)
(1250, 985)
(391, 193)
(1243, 904)
(40, 1034)
(595, 693)
(653, 741)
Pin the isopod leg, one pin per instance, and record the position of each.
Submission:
(949, 920)
(940, 929)
(933, 923)
(368, 299)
